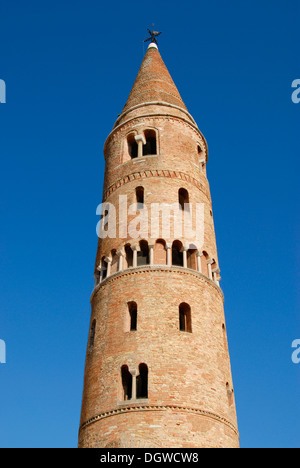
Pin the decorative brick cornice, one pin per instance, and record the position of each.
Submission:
(156, 103)
(135, 408)
(171, 174)
(165, 269)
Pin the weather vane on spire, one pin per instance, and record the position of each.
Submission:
(153, 35)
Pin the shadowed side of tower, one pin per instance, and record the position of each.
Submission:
(157, 370)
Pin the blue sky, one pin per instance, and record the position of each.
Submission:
(68, 68)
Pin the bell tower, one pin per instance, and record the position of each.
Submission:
(157, 371)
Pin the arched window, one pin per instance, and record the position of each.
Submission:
(142, 382)
(132, 309)
(103, 268)
(92, 334)
(215, 270)
(139, 193)
(143, 254)
(177, 254)
(185, 318)
(132, 146)
(126, 383)
(191, 259)
(183, 197)
(160, 252)
(204, 260)
(114, 262)
(150, 146)
(128, 256)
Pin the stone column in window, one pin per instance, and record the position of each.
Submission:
(215, 273)
(121, 255)
(151, 254)
(199, 267)
(134, 250)
(133, 372)
(169, 254)
(141, 141)
(108, 260)
(185, 249)
(209, 264)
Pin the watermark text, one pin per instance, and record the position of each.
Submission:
(2, 92)
(296, 93)
(296, 353)
(156, 220)
(2, 352)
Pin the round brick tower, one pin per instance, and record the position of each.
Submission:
(157, 370)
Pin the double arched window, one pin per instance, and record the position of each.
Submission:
(142, 144)
(134, 382)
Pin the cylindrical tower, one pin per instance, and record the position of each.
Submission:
(157, 370)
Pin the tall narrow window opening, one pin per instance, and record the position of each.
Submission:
(132, 308)
(139, 191)
(191, 259)
(126, 383)
(103, 268)
(185, 319)
(177, 254)
(183, 196)
(150, 147)
(143, 254)
(128, 256)
(142, 382)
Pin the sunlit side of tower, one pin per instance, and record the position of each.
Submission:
(157, 370)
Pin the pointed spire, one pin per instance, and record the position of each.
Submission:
(153, 83)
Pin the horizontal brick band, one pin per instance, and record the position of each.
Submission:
(153, 268)
(155, 173)
(135, 408)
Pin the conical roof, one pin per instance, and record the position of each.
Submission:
(153, 83)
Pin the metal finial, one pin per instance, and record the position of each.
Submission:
(153, 35)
